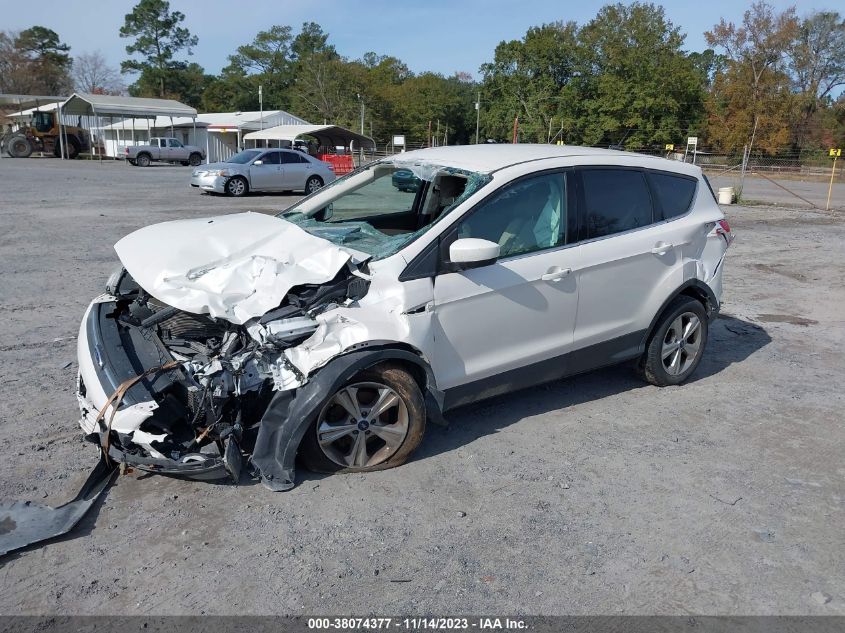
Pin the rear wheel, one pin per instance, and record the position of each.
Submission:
(237, 186)
(195, 160)
(313, 183)
(372, 423)
(143, 160)
(677, 344)
(19, 146)
(72, 150)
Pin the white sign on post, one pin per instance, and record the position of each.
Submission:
(692, 140)
(399, 139)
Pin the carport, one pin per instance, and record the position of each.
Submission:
(25, 101)
(125, 108)
(328, 136)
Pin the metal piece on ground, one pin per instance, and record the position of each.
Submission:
(23, 523)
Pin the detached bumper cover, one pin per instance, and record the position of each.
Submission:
(23, 523)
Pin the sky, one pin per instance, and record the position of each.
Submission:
(436, 35)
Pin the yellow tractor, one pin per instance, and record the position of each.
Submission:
(44, 134)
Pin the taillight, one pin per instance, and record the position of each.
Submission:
(723, 228)
(126, 150)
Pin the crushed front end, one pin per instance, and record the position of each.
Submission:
(173, 392)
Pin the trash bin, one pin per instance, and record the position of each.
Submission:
(726, 195)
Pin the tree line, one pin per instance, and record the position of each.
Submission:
(623, 79)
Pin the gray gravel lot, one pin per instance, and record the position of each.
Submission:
(599, 494)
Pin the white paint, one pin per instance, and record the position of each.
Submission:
(234, 267)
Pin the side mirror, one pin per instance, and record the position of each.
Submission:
(325, 213)
(258, 162)
(472, 252)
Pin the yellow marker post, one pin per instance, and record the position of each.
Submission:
(834, 153)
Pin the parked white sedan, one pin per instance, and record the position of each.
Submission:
(263, 170)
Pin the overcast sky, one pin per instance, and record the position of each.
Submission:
(436, 35)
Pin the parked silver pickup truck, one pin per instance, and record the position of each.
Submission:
(166, 149)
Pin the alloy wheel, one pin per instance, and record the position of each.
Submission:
(236, 186)
(363, 424)
(682, 344)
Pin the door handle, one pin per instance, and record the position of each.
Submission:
(661, 248)
(555, 274)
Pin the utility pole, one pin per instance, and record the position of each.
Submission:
(361, 101)
(477, 115)
(261, 104)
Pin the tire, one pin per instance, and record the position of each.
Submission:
(72, 148)
(184, 163)
(143, 160)
(312, 184)
(677, 344)
(19, 146)
(194, 160)
(405, 420)
(237, 186)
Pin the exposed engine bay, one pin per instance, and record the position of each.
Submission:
(216, 380)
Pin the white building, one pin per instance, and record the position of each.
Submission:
(220, 133)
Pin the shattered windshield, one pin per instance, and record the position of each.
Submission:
(242, 158)
(384, 206)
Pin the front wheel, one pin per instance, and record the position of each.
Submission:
(236, 186)
(313, 183)
(372, 423)
(677, 344)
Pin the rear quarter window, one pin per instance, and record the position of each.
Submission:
(674, 193)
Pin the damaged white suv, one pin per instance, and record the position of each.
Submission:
(334, 330)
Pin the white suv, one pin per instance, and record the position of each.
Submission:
(333, 331)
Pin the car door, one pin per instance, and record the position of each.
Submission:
(295, 172)
(174, 149)
(630, 260)
(265, 172)
(520, 311)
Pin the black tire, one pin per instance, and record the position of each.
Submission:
(19, 146)
(684, 351)
(184, 163)
(237, 186)
(312, 184)
(402, 384)
(72, 148)
(143, 160)
(194, 160)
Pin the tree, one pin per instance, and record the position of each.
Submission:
(817, 64)
(532, 78)
(751, 99)
(158, 38)
(92, 74)
(638, 86)
(34, 61)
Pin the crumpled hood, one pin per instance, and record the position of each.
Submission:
(235, 267)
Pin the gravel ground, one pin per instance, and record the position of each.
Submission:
(598, 494)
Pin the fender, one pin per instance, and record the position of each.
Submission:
(289, 415)
(692, 287)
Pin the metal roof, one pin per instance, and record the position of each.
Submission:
(326, 134)
(111, 105)
(27, 101)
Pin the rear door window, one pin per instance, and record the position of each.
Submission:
(289, 158)
(674, 193)
(615, 200)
